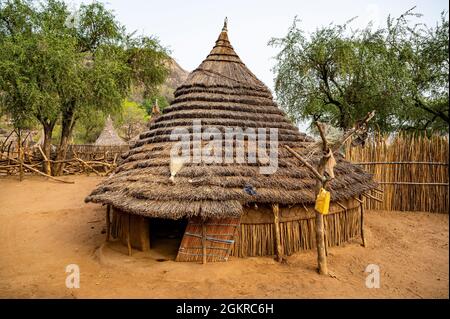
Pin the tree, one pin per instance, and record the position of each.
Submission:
(111, 63)
(336, 74)
(31, 63)
(88, 127)
(422, 54)
(61, 66)
(132, 120)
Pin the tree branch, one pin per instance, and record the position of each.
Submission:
(358, 126)
(424, 107)
(322, 135)
(305, 162)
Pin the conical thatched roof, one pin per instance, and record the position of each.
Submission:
(222, 93)
(109, 136)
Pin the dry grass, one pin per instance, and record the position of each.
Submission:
(109, 135)
(299, 234)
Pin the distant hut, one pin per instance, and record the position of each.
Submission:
(109, 136)
(223, 209)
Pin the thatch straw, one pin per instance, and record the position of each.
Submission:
(109, 135)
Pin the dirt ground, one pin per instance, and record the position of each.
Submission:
(45, 225)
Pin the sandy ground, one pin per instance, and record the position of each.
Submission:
(45, 225)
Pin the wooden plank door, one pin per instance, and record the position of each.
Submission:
(220, 235)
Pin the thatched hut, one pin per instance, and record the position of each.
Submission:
(223, 209)
(109, 136)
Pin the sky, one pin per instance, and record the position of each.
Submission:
(190, 28)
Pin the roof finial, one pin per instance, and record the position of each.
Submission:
(155, 109)
(225, 23)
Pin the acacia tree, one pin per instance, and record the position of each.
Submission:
(335, 74)
(63, 66)
(31, 63)
(132, 120)
(89, 126)
(422, 54)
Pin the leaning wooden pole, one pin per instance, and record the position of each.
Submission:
(4, 143)
(48, 169)
(276, 226)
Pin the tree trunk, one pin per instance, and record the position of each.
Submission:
(67, 125)
(61, 155)
(344, 120)
(48, 130)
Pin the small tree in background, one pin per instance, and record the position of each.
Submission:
(88, 127)
(132, 120)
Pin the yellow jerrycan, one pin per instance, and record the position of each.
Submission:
(323, 201)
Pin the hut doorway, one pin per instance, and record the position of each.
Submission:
(165, 236)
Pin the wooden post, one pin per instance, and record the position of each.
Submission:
(322, 180)
(108, 222)
(20, 157)
(48, 169)
(320, 232)
(325, 240)
(203, 242)
(21, 164)
(276, 226)
(321, 254)
(128, 235)
(362, 221)
(143, 233)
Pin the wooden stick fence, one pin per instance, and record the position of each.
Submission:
(81, 159)
(412, 170)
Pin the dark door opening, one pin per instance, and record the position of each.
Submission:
(165, 236)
